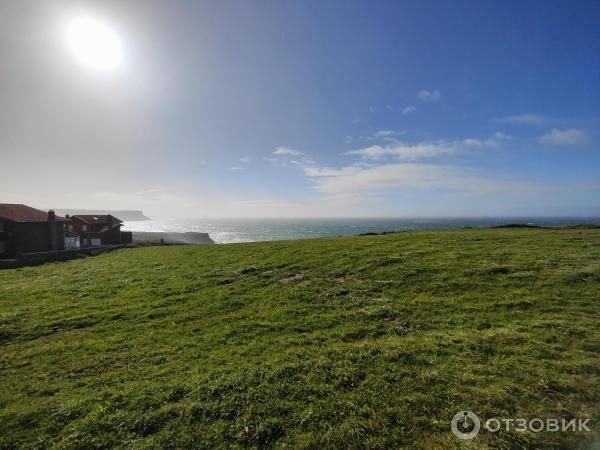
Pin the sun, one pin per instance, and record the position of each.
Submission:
(94, 44)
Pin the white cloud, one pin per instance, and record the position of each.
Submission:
(353, 179)
(528, 119)
(408, 110)
(356, 179)
(430, 96)
(571, 136)
(385, 133)
(245, 159)
(501, 136)
(405, 152)
(428, 149)
(286, 156)
(276, 162)
(372, 110)
(286, 151)
(236, 169)
(473, 143)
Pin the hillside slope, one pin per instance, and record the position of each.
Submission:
(362, 342)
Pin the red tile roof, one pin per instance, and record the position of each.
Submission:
(24, 213)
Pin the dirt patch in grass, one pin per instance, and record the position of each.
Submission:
(296, 278)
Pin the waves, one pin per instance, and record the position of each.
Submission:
(225, 231)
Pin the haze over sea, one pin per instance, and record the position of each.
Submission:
(224, 231)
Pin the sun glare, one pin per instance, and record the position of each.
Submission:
(94, 44)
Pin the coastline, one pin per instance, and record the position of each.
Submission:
(226, 231)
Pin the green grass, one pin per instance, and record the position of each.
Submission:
(361, 342)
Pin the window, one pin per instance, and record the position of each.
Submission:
(2, 249)
(70, 227)
(71, 243)
(83, 227)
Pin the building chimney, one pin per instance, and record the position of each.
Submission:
(54, 238)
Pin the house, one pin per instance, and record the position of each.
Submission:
(24, 229)
(97, 230)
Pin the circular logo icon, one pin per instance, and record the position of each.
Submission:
(465, 425)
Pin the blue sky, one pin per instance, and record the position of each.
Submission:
(338, 108)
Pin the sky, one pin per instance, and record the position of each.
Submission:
(304, 109)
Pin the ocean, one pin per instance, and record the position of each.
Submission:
(224, 231)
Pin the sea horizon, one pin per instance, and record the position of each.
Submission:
(234, 230)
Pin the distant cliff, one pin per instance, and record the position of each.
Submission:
(127, 216)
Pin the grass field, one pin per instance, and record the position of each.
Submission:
(361, 342)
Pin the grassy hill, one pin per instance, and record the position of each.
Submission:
(361, 342)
